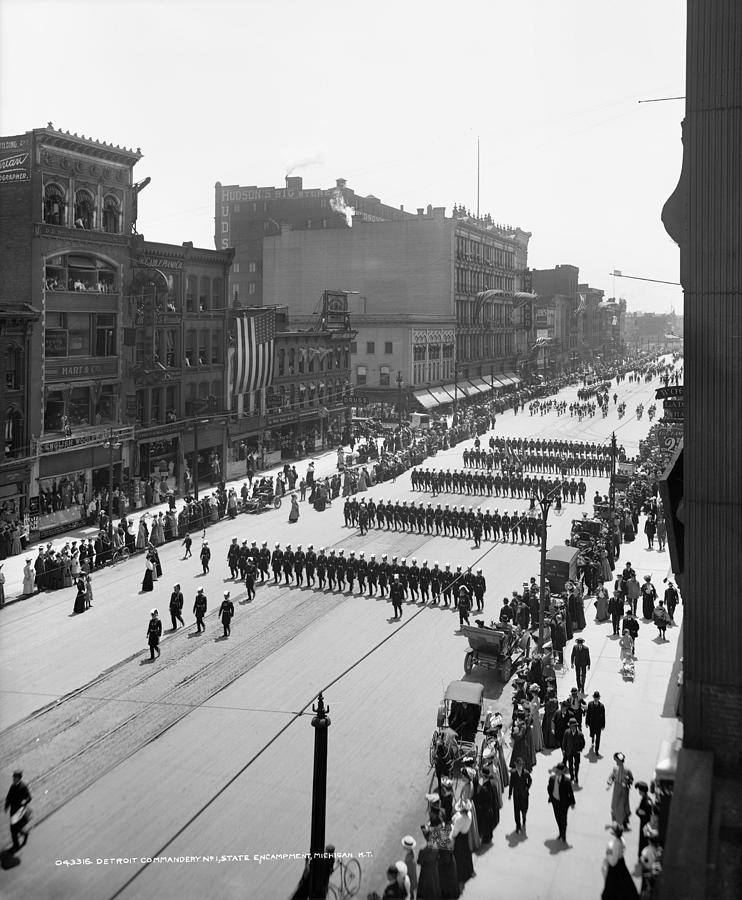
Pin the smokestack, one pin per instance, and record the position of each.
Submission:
(420, 211)
(294, 183)
(340, 183)
(430, 209)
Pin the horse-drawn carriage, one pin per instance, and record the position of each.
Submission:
(459, 720)
(499, 647)
(261, 501)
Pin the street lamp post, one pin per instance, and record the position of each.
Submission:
(399, 408)
(545, 503)
(612, 493)
(111, 445)
(320, 723)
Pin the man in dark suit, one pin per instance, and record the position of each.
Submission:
(397, 594)
(580, 662)
(520, 785)
(573, 743)
(561, 797)
(595, 721)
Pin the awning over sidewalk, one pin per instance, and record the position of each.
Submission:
(440, 394)
(425, 399)
(468, 389)
(508, 378)
(484, 384)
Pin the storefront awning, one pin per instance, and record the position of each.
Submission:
(508, 378)
(478, 388)
(441, 394)
(484, 384)
(425, 399)
(467, 389)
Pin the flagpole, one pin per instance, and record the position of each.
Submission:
(477, 176)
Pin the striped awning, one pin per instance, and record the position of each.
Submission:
(426, 399)
(508, 378)
(467, 389)
(441, 394)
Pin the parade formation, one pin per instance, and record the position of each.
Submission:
(382, 544)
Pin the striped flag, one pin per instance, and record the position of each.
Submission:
(253, 368)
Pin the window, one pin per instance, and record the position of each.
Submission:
(105, 407)
(78, 334)
(216, 394)
(203, 348)
(157, 405)
(204, 295)
(12, 363)
(171, 402)
(361, 374)
(236, 268)
(55, 205)
(384, 376)
(353, 347)
(302, 353)
(252, 267)
(190, 293)
(77, 272)
(105, 335)
(140, 407)
(251, 288)
(217, 300)
(78, 411)
(281, 362)
(216, 341)
(190, 351)
(370, 347)
(388, 347)
(111, 215)
(84, 210)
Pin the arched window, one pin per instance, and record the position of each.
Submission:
(190, 293)
(84, 210)
(361, 374)
(55, 205)
(302, 358)
(292, 361)
(111, 215)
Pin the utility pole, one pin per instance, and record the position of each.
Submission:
(399, 408)
(320, 723)
(545, 503)
(612, 493)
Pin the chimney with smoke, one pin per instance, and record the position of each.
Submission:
(338, 204)
(340, 183)
(294, 183)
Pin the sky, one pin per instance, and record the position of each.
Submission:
(391, 96)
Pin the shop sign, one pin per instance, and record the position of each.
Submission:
(83, 368)
(57, 445)
(670, 391)
(673, 415)
(33, 507)
(159, 262)
(668, 441)
(285, 418)
(625, 468)
(15, 159)
(673, 404)
(144, 435)
(55, 342)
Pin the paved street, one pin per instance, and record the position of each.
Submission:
(208, 751)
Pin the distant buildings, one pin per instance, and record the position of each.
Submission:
(413, 283)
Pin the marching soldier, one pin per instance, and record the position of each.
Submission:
(332, 565)
(435, 582)
(429, 518)
(340, 564)
(363, 518)
(505, 524)
(249, 577)
(404, 576)
(477, 531)
(384, 573)
(310, 562)
(351, 569)
(479, 586)
(321, 568)
(438, 519)
(288, 564)
(199, 610)
(380, 514)
(413, 580)
(373, 575)
(425, 581)
(362, 572)
(397, 595)
(299, 558)
(277, 563)
(447, 584)
(496, 525)
(264, 559)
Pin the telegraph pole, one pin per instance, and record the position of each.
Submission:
(612, 496)
(320, 723)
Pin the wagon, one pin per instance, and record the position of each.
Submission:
(561, 567)
(499, 648)
(262, 501)
(459, 719)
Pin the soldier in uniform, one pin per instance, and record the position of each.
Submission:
(496, 525)
(383, 575)
(429, 518)
(479, 586)
(505, 522)
(373, 575)
(363, 517)
(435, 582)
(380, 514)
(438, 518)
(397, 595)
(447, 584)
(299, 558)
(288, 564)
(331, 570)
(413, 580)
(404, 576)
(264, 559)
(514, 519)
(233, 558)
(420, 517)
(581, 490)
(249, 577)
(340, 565)
(351, 568)
(347, 512)
(425, 582)
(362, 572)
(390, 514)
(199, 610)
(447, 520)
(477, 531)
(310, 561)
(321, 568)
(277, 563)
(523, 528)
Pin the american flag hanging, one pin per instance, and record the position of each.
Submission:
(253, 366)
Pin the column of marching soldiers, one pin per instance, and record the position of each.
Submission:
(323, 570)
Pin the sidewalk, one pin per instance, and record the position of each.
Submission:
(639, 716)
(325, 464)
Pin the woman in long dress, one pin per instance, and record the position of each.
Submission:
(142, 535)
(536, 728)
(294, 514)
(461, 827)
(428, 886)
(80, 598)
(619, 885)
(621, 778)
(88, 592)
(148, 582)
(522, 741)
(438, 836)
(29, 577)
(483, 807)
(547, 725)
